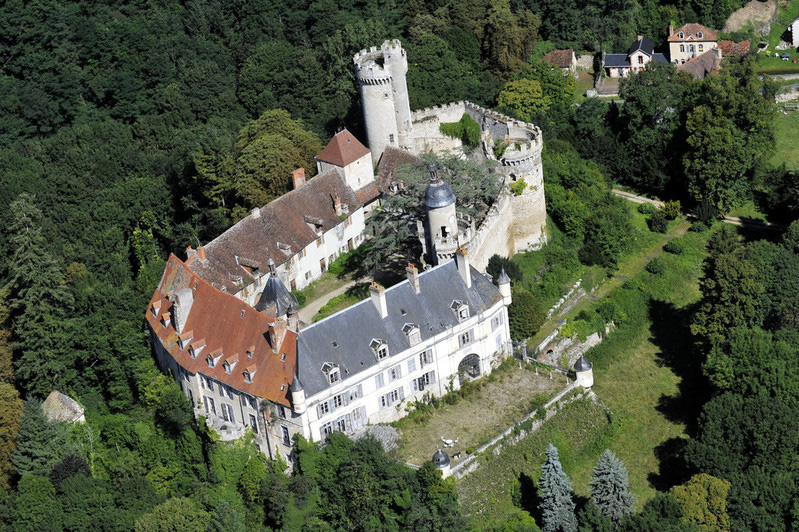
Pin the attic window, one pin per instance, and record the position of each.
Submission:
(335, 344)
(682, 35)
(213, 358)
(155, 308)
(196, 347)
(230, 363)
(242, 313)
(183, 339)
(332, 372)
(412, 332)
(250, 351)
(461, 309)
(283, 357)
(699, 34)
(249, 373)
(379, 347)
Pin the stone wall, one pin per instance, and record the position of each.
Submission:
(494, 236)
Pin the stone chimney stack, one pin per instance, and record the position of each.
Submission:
(671, 30)
(462, 260)
(337, 205)
(413, 278)
(201, 253)
(640, 37)
(378, 294)
(298, 177)
(277, 332)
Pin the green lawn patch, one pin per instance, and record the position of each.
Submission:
(787, 149)
(353, 295)
(585, 81)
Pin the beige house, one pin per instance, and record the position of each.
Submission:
(689, 41)
(640, 54)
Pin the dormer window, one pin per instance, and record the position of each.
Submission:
(699, 34)
(184, 338)
(682, 35)
(196, 347)
(332, 372)
(412, 332)
(250, 351)
(165, 319)
(213, 358)
(249, 373)
(379, 347)
(461, 309)
(230, 363)
(155, 308)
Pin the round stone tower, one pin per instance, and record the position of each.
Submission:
(503, 283)
(441, 230)
(298, 396)
(384, 96)
(442, 462)
(584, 371)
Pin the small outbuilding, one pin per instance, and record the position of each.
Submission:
(584, 371)
(442, 462)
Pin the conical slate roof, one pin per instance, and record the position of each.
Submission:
(441, 459)
(582, 364)
(438, 194)
(296, 385)
(503, 278)
(276, 295)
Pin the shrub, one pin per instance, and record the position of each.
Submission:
(607, 310)
(497, 262)
(671, 209)
(675, 246)
(518, 187)
(657, 222)
(465, 129)
(655, 266)
(646, 208)
(698, 227)
(301, 298)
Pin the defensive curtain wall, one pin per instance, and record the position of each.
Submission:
(514, 223)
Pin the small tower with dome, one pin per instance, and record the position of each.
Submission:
(584, 371)
(442, 462)
(441, 227)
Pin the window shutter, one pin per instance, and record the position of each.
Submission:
(411, 365)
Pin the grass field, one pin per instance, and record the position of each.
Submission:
(786, 127)
(646, 377)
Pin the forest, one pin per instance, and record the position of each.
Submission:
(130, 130)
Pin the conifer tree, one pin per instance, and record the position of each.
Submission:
(40, 443)
(610, 488)
(555, 490)
(39, 302)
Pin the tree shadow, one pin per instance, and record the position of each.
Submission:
(529, 499)
(672, 469)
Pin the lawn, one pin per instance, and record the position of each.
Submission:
(646, 377)
(785, 133)
(585, 81)
(490, 405)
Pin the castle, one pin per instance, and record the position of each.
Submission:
(224, 323)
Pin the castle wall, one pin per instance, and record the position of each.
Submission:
(494, 236)
(427, 135)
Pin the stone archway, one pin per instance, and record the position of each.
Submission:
(469, 368)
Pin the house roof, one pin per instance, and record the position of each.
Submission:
(623, 60)
(277, 230)
(690, 33)
(224, 326)
(344, 338)
(731, 48)
(560, 58)
(643, 44)
(702, 64)
(391, 160)
(343, 149)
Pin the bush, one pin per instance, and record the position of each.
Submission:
(675, 246)
(657, 222)
(671, 209)
(518, 187)
(607, 310)
(698, 227)
(301, 298)
(465, 129)
(655, 266)
(646, 208)
(497, 262)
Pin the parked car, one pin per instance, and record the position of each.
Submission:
(786, 56)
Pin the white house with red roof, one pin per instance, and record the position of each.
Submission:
(689, 41)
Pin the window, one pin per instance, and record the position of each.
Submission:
(207, 383)
(323, 409)
(253, 424)
(332, 372)
(307, 275)
(461, 309)
(682, 48)
(426, 357)
(286, 439)
(226, 391)
(337, 401)
(699, 34)
(210, 407)
(391, 138)
(682, 35)
(394, 373)
(354, 393)
(422, 382)
(247, 377)
(322, 265)
(379, 380)
(690, 47)
(302, 253)
(379, 347)
(701, 47)
(326, 430)
(227, 412)
(391, 397)
(320, 240)
(411, 365)
(334, 376)
(341, 424)
(465, 338)
(640, 60)
(213, 358)
(281, 411)
(496, 321)
(412, 332)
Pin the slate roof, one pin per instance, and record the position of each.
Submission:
(342, 149)
(391, 160)
(701, 65)
(280, 230)
(224, 325)
(643, 44)
(623, 60)
(438, 194)
(275, 294)
(690, 31)
(560, 58)
(353, 329)
(732, 48)
(582, 364)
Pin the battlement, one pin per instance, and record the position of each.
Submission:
(437, 110)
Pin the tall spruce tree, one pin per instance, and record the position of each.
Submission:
(555, 491)
(40, 443)
(39, 303)
(610, 488)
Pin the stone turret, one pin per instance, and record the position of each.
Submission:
(384, 96)
(298, 396)
(584, 371)
(442, 463)
(503, 282)
(441, 231)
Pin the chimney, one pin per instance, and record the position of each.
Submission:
(671, 30)
(183, 300)
(201, 253)
(337, 205)
(378, 294)
(277, 331)
(462, 261)
(640, 37)
(298, 177)
(190, 252)
(413, 278)
(718, 53)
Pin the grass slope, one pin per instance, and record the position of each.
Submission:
(786, 127)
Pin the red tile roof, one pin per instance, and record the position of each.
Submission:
(731, 48)
(702, 65)
(278, 231)
(224, 325)
(690, 33)
(342, 149)
(391, 160)
(561, 58)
